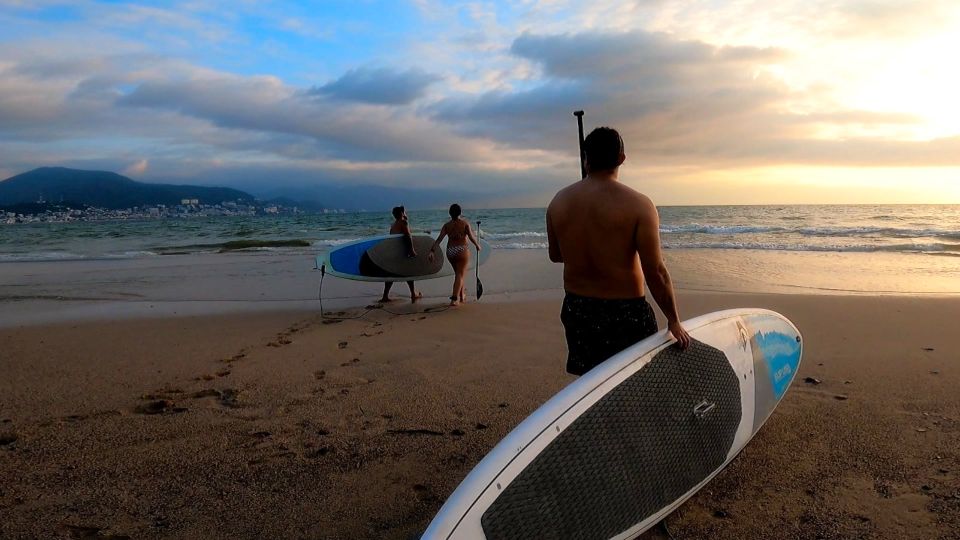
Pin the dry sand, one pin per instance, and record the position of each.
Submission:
(283, 425)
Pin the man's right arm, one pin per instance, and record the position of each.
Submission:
(553, 247)
(647, 240)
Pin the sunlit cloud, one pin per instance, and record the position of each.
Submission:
(137, 169)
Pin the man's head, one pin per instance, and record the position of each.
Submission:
(455, 210)
(398, 212)
(604, 149)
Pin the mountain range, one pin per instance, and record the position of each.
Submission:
(78, 188)
(105, 190)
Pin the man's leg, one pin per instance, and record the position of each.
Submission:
(386, 291)
(414, 295)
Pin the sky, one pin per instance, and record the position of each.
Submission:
(735, 102)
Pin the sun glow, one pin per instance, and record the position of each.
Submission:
(803, 185)
(919, 78)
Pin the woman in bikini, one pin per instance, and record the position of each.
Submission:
(458, 253)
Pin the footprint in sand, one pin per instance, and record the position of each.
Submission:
(269, 448)
(160, 406)
(239, 356)
(82, 532)
(280, 342)
(163, 393)
(455, 459)
(228, 397)
(318, 452)
(424, 493)
(7, 438)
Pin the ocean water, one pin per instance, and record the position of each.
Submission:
(928, 230)
(186, 264)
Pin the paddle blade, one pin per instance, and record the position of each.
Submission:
(479, 288)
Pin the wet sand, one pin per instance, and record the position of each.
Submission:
(286, 425)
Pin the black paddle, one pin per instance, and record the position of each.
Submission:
(479, 284)
(583, 166)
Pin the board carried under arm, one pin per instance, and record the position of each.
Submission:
(386, 258)
(628, 442)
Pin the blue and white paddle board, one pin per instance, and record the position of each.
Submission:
(384, 258)
(628, 442)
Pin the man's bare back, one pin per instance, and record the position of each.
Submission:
(608, 238)
(595, 223)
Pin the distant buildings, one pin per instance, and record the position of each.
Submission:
(189, 208)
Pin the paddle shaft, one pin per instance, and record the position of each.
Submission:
(479, 284)
(583, 164)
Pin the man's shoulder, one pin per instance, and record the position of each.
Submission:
(632, 196)
(624, 190)
(562, 195)
(564, 191)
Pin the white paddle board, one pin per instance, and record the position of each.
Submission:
(628, 442)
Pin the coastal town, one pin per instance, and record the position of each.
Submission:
(44, 212)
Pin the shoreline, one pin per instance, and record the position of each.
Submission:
(286, 425)
(43, 292)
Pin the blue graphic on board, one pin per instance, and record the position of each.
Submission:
(347, 258)
(782, 354)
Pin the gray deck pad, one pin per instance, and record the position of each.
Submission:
(635, 451)
(390, 255)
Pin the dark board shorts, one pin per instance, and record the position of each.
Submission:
(598, 328)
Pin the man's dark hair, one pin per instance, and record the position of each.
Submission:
(455, 210)
(397, 212)
(603, 147)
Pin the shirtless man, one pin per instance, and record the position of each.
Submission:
(608, 238)
(400, 226)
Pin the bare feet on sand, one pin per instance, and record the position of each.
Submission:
(413, 299)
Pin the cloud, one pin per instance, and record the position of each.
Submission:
(378, 85)
(266, 105)
(137, 169)
(888, 19)
(680, 102)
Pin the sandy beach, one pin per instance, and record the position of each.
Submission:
(200, 200)
(287, 425)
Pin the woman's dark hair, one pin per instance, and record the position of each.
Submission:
(603, 147)
(455, 210)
